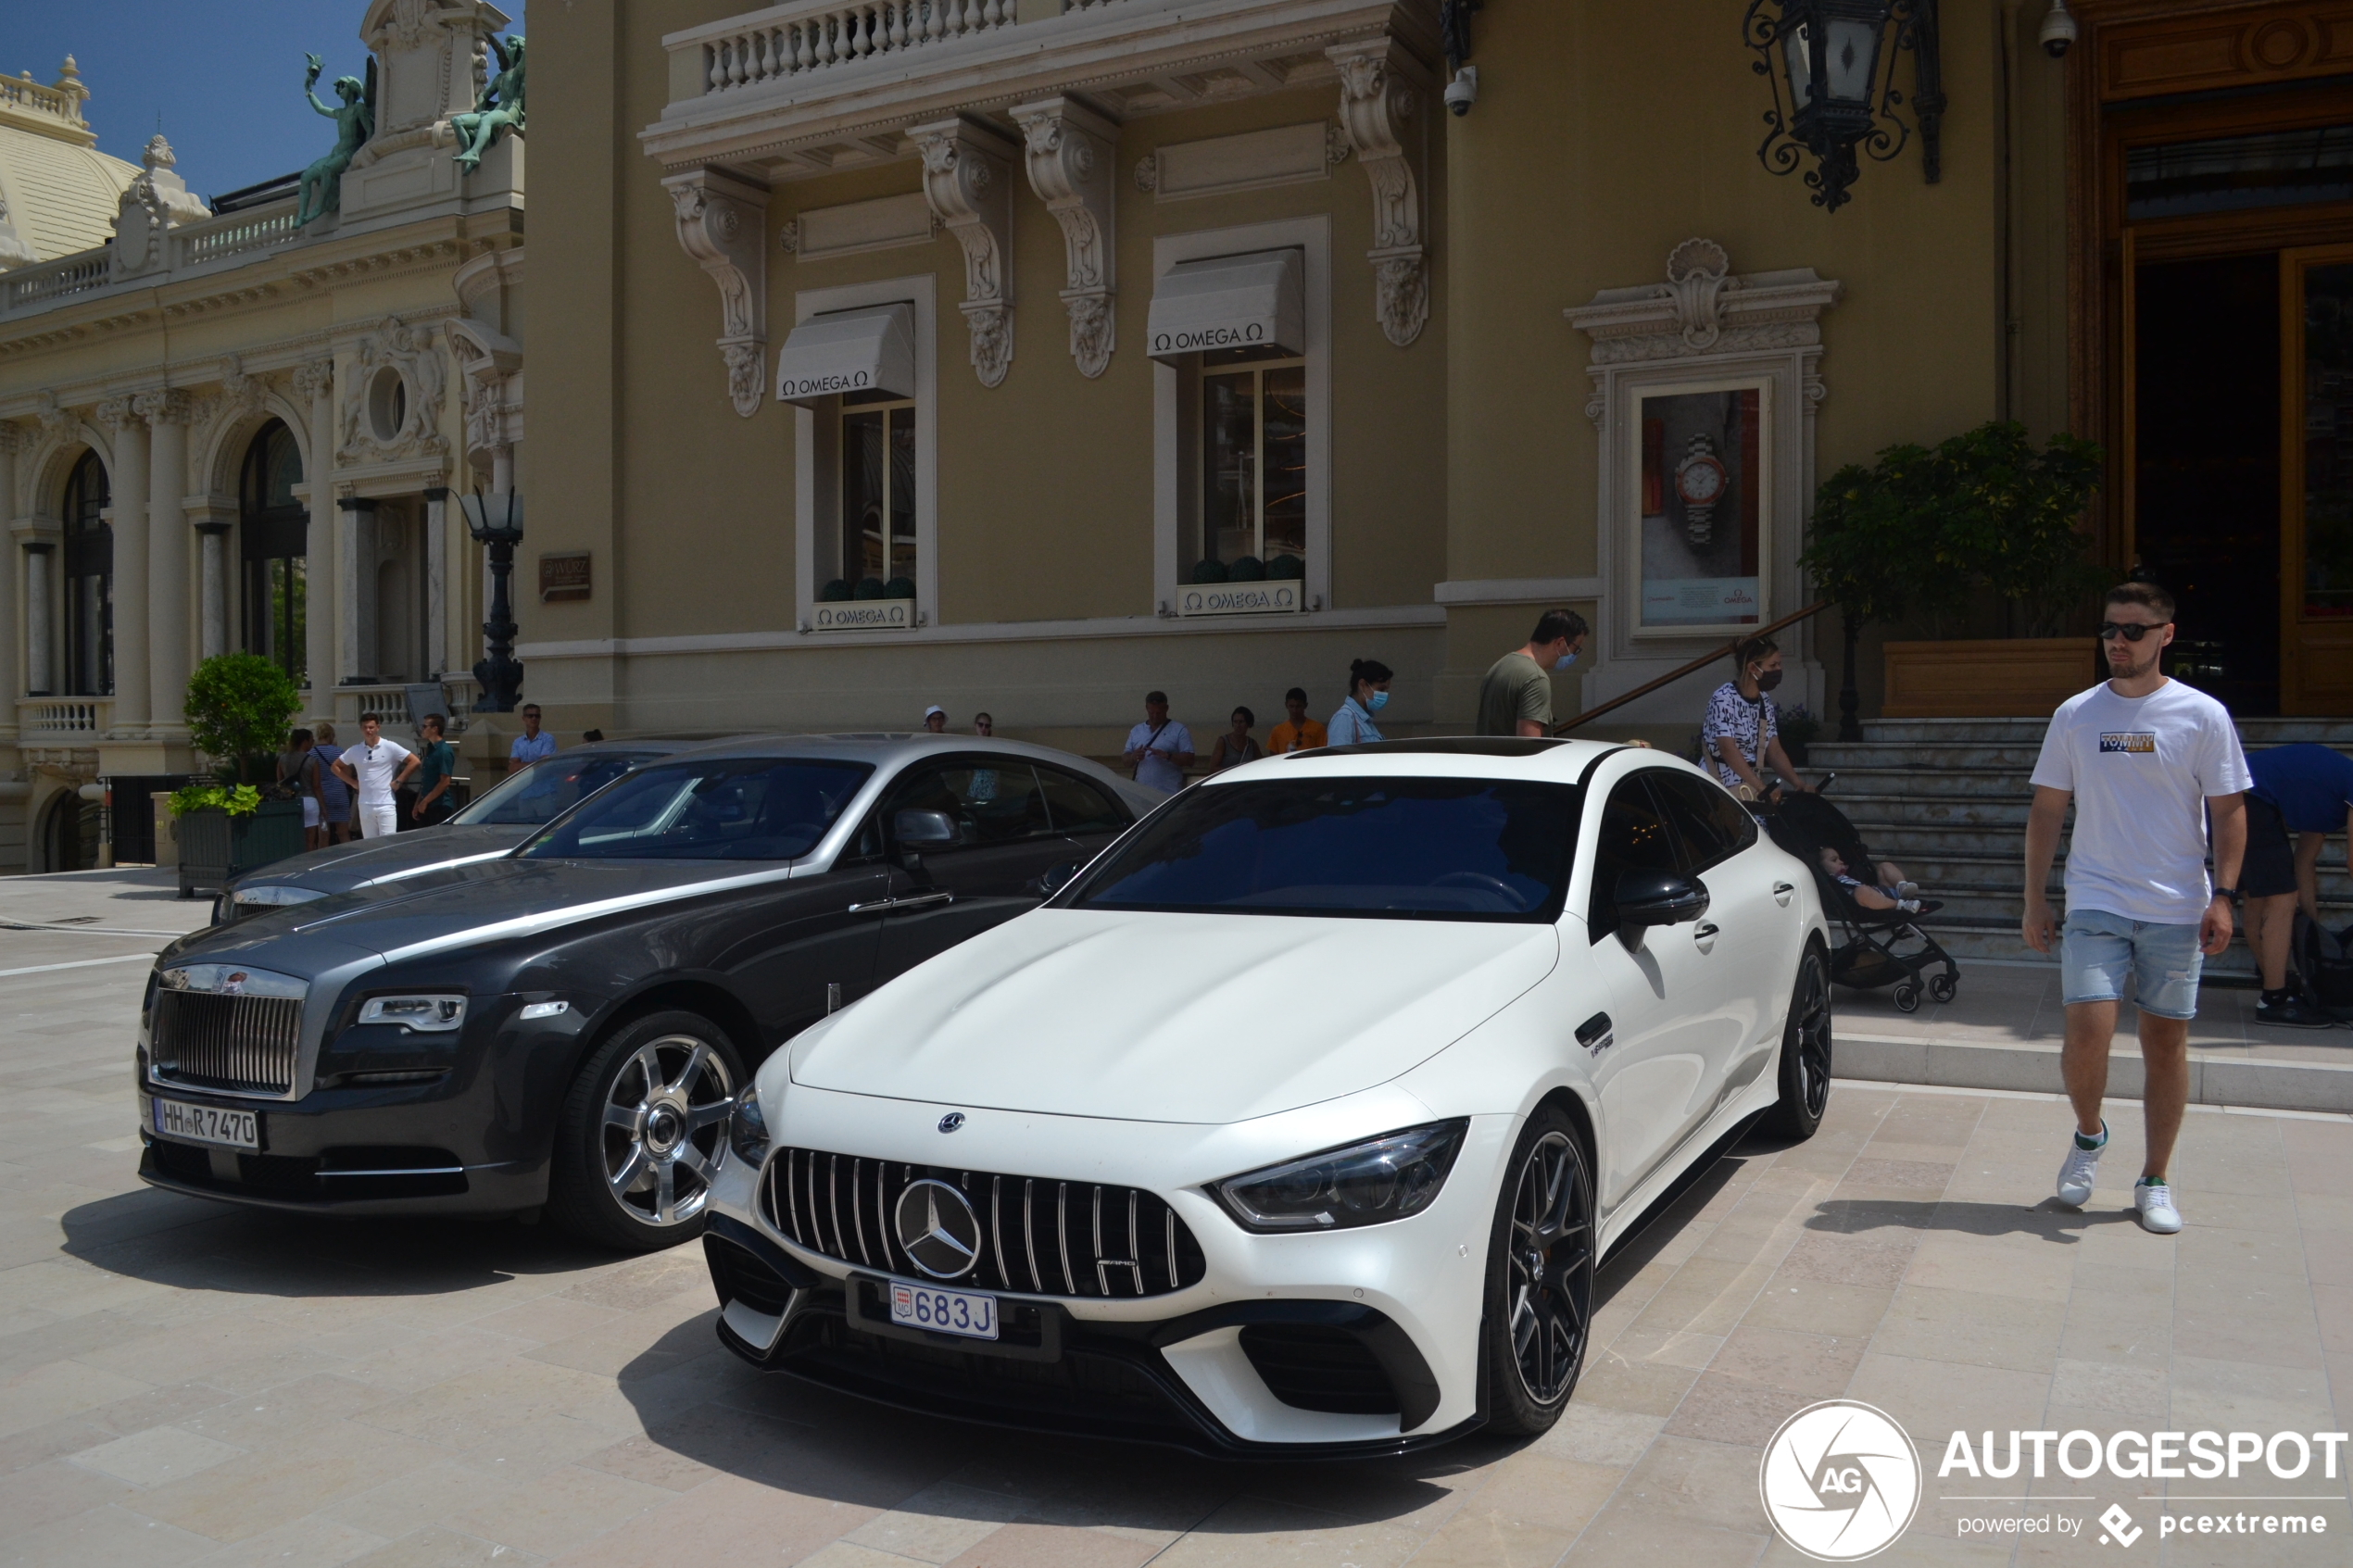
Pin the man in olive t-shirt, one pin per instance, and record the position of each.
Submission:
(1515, 696)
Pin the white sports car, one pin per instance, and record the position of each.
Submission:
(1296, 1124)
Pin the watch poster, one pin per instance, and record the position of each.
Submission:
(1703, 482)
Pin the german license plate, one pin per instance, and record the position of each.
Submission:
(206, 1124)
(965, 1312)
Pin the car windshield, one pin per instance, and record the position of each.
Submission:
(546, 789)
(1399, 848)
(741, 809)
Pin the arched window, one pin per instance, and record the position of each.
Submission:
(273, 529)
(89, 580)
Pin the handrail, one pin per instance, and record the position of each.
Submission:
(1700, 663)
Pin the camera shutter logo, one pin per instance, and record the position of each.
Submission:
(1840, 1481)
(938, 1229)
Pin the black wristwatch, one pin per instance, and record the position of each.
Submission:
(2228, 893)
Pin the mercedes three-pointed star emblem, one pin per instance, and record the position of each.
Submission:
(938, 1229)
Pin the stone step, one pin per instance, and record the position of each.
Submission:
(1868, 780)
(1989, 809)
(2220, 1078)
(1957, 732)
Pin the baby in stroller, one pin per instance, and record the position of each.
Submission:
(1881, 941)
(1891, 892)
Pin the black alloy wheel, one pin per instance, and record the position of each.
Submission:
(1540, 1301)
(1806, 1051)
(644, 1131)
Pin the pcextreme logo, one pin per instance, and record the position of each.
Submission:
(1840, 1481)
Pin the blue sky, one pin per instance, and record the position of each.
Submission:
(226, 75)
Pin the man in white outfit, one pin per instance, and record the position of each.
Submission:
(2148, 761)
(375, 770)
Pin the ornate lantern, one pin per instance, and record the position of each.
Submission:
(495, 521)
(1832, 67)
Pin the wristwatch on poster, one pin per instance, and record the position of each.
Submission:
(1700, 479)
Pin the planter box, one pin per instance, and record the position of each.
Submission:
(215, 847)
(1985, 678)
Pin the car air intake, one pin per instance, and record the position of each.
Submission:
(216, 1042)
(1037, 1236)
(1312, 1367)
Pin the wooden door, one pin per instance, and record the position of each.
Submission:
(2316, 480)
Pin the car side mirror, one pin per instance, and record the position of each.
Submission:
(1057, 878)
(924, 829)
(1660, 898)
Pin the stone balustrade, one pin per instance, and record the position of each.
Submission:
(40, 718)
(806, 36)
(260, 228)
(49, 280)
(63, 100)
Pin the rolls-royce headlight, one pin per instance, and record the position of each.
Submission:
(748, 1133)
(1363, 1184)
(429, 1014)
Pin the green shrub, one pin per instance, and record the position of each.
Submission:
(1246, 569)
(240, 800)
(868, 588)
(1286, 569)
(834, 592)
(900, 588)
(238, 706)
(1210, 570)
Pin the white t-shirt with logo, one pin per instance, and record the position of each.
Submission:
(2141, 770)
(377, 766)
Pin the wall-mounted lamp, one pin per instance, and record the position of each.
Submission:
(1832, 67)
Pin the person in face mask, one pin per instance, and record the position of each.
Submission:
(1368, 695)
(1741, 735)
(1515, 696)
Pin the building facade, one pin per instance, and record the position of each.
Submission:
(222, 427)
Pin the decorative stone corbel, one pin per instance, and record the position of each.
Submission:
(722, 223)
(967, 179)
(1069, 151)
(1376, 99)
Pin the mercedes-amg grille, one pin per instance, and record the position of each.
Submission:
(1038, 1235)
(220, 1042)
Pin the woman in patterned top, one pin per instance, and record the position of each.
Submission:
(1740, 735)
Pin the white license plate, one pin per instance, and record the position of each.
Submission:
(966, 1312)
(206, 1124)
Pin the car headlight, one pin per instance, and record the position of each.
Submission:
(429, 1014)
(1363, 1184)
(748, 1133)
(276, 892)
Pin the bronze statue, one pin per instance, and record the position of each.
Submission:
(355, 122)
(498, 109)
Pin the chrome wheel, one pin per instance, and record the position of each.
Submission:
(665, 1128)
(1549, 1283)
(1811, 1010)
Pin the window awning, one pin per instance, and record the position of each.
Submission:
(869, 349)
(1229, 302)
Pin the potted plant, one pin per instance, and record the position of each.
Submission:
(1924, 531)
(238, 706)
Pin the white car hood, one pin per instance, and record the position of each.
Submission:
(1155, 1017)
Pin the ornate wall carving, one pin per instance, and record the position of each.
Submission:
(720, 222)
(967, 171)
(1069, 151)
(375, 427)
(1377, 100)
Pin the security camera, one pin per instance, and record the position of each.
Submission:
(2058, 29)
(1463, 92)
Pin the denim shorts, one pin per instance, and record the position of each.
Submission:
(2096, 948)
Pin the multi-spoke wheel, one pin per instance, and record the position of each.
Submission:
(1540, 1304)
(643, 1132)
(1806, 1050)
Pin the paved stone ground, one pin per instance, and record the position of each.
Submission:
(182, 1383)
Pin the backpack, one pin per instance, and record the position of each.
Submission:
(2324, 959)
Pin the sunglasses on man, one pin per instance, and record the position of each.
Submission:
(2131, 631)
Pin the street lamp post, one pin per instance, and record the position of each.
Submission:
(495, 521)
(1832, 64)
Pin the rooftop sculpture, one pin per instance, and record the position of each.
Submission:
(498, 109)
(355, 122)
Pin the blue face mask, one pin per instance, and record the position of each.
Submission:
(1565, 660)
(1376, 701)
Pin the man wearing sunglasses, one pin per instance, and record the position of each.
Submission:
(2146, 760)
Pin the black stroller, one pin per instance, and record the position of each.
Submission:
(1881, 946)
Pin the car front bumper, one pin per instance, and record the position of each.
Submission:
(1345, 1344)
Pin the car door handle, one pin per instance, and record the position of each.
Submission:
(1781, 891)
(917, 901)
(1703, 935)
(1596, 1034)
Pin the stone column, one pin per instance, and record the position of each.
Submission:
(314, 384)
(436, 657)
(354, 587)
(167, 414)
(11, 685)
(214, 534)
(133, 708)
(37, 679)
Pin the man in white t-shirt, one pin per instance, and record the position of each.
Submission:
(375, 769)
(2148, 761)
(1158, 750)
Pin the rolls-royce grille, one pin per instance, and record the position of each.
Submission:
(1038, 1235)
(220, 1042)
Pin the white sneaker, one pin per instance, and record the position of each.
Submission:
(2155, 1200)
(2081, 1167)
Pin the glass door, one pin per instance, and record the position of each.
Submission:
(2316, 473)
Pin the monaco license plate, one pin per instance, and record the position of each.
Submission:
(206, 1123)
(965, 1312)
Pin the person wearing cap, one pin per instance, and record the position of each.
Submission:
(935, 719)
